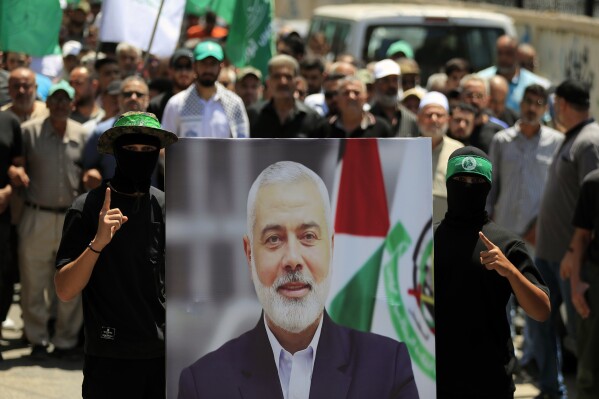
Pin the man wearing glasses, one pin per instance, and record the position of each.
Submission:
(181, 76)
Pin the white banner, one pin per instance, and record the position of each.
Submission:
(132, 21)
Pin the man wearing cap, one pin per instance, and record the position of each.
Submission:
(248, 85)
(70, 56)
(112, 251)
(181, 75)
(387, 84)
(206, 108)
(400, 49)
(410, 74)
(478, 265)
(433, 119)
(283, 116)
(50, 179)
(575, 158)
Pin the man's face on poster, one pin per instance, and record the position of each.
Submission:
(290, 254)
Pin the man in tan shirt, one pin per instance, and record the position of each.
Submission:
(22, 91)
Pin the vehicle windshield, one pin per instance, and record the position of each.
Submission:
(435, 45)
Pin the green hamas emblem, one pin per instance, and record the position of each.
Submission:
(469, 163)
(396, 245)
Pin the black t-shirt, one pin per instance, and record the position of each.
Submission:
(474, 350)
(123, 302)
(586, 215)
(11, 146)
(372, 126)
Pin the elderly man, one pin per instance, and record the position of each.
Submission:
(508, 66)
(498, 91)
(129, 59)
(21, 89)
(296, 350)
(325, 103)
(206, 108)
(433, 120)
(352, 120)
(387, 105)
(283, 116)
(51, 178)
(116, 260)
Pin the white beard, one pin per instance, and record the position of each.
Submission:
(292, 314)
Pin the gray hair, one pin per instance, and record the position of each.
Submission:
(126, 47)
(134, 78)
(285, 61)
(475, 78)
(285, 172)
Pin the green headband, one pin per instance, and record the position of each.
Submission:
(138, 120)
(472, 164)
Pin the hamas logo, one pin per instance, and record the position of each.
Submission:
(408, 281)
(469, 163)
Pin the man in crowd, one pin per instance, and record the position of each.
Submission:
(312, 69)
(387, 103)
(325, 102)
(129, 59)
(248, 85)
(51, 178)
(283, 116)
(433, 121)
(498, 90)
(181, 75)
(352, 120)
(116, 261)
(289, 249)
(21, 89)
(107, 70)
(575, 158)
(475, 91)
(206, 108)
(85, 85)
(582, 259)
(461, 122)
(509, 67)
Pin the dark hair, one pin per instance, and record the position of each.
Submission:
(464, 107)
(296, 44)
(312, 63)
(457, 64)
(537, 90)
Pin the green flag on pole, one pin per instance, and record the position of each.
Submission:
(250, 40)
(30, 26)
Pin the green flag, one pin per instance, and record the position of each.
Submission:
(30, 26)
(223, 8)
(250, 40)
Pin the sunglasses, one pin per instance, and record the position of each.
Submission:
(128, 94)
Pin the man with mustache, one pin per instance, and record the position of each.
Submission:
(206, 108)
(296, 350)
(283, 116)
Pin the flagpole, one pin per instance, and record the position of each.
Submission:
(147, 56)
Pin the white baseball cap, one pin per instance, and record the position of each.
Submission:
(385, 68)
(72, 47)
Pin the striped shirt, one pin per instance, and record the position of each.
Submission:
(520, 166)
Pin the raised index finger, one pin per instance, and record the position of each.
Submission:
(486, 241)
(106, 206)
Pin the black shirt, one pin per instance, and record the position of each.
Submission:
(158, 104)
(371, 126)
(264, 121)
(586, 215)
(405, 124)
(474, 350)
(123, 302)
(11, 146)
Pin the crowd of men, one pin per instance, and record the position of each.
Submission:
(539, 136)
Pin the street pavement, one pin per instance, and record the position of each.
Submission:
(25, 378)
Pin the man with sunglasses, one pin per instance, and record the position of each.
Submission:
(181, 76)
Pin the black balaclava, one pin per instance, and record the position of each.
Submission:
(133, 168)
(466, 201)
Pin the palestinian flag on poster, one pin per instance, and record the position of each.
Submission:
(361, 224)
(382, 273)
